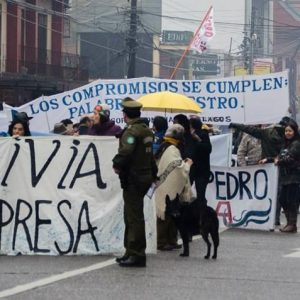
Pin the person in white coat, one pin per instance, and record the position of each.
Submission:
(173, 174)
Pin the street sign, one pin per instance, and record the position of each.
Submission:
(207, 59)
(210, 69)
(177, 37)
(207, 64)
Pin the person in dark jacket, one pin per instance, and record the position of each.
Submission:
(288, 161)
(188, 148)
(135, 165)
(146, 121)
(160, 126)
(197, 146)
(103, 126)
(200, 170)
(272, 139)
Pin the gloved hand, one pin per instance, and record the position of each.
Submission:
(232, 125)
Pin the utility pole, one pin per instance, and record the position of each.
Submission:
(131, 41)
(252, 40)
(229, 60)
(292, 65)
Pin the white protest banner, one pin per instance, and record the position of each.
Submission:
(4, 122)
(221, 150)
(244, 197)
(251, 99)
(59, 195)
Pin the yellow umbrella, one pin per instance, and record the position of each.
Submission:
(169, 102)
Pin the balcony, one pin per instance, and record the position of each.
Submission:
(49, 64)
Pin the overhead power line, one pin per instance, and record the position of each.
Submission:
(277, 28)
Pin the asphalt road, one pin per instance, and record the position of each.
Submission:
(251, 265)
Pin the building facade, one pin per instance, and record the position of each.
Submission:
(287, 47)
(32, 59)
(101, 31)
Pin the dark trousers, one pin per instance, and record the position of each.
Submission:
(200, 184)
(134, 237)
(278, 205)
(289, 199)
(166, 232)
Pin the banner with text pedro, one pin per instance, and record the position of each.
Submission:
(244, 197)
(60, 196)
(256, 99)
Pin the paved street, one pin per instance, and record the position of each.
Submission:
(251, 264)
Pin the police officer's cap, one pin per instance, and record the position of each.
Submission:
(131, 105)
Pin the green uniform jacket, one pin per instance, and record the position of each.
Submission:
(135, 158)
(272, 138)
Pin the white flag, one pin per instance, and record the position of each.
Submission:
(204, 34)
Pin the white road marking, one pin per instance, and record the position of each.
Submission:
(39, 283)
(55, 278)
(296, 253)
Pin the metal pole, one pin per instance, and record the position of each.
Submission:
(252, 40)
(293, 82)
(131, 42)
(190, 44)
(251, 57)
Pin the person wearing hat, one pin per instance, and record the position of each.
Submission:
(102, 125)
(135, 165)
(173, 173)
(61, 128)
(18, 128)
(21, 120)
(22, 117)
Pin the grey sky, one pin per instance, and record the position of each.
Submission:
(225, 11)
(109, 14)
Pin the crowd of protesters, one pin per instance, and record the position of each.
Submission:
(279, 144)
(181, 152)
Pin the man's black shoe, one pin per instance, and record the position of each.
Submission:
(176, 246)
(121, 258)
(133, 261)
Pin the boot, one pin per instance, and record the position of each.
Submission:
(291, 228)
(134, 261)
(121, 258)
(293, 214)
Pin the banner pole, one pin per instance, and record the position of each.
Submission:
(189, 46)
(47, 118)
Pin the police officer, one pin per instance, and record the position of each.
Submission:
(135, 165)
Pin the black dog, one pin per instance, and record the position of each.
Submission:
(192, 218)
